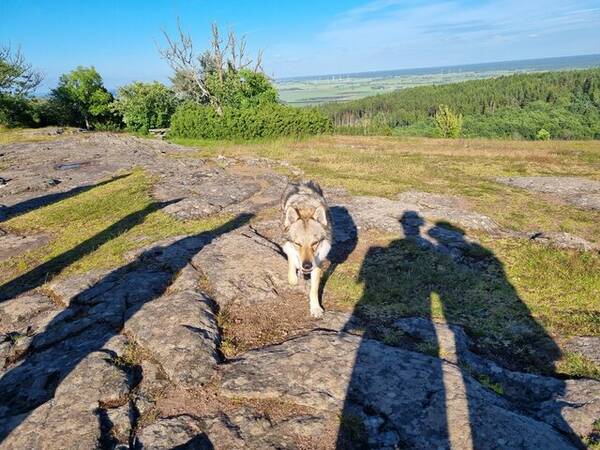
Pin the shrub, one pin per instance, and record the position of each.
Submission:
(426, 128)
(15, 111)
(448, 124)
(543, 135)
(241, 88)
(146, 105)
(265, 120)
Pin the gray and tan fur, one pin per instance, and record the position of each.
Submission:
(307, 236)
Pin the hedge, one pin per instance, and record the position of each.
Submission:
(268, 120)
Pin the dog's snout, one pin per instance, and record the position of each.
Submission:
(306, 266)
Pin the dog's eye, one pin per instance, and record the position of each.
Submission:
(297, 244)
(315, 244)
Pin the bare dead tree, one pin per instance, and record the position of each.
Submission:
(191, 69)
(217, 52)
(259, 59)
(186, 65)
(17, 77)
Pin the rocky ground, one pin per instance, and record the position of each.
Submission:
(134, 357)
(574, 190)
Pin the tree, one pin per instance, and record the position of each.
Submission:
(146, 105)
(17, 77)
(17, 81)
(448, 123)
(83, 95)
(210, 76)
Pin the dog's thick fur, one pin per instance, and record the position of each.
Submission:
(307, 236)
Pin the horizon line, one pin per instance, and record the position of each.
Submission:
(379, 71)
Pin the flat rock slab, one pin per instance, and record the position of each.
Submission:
(12, 245)
(405, 399)
(581, 192)
(183, 432)
(27, 314)
(568, 405)
(560, 239)
(210, 190)
(180, 330)
(409, 221)
(70, 420)
(385, 214)
(244, 428)
(423, 217)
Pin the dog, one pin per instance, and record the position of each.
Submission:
(307, 231)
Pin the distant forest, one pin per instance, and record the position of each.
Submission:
(558, 105)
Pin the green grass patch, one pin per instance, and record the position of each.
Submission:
(511, 296)
(16, 135)
(95, 229)
(574, 364)
(488, 383)
(593, 440)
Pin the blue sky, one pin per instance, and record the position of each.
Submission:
(307, 37)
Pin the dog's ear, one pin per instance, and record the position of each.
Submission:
(291, 215)
(320, 215)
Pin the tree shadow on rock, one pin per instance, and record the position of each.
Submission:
(92, 318)
(44, 272)
(414, 288)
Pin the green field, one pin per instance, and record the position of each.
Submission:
(339, 88)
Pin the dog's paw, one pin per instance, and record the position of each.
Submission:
(292, 279)
(316, 312)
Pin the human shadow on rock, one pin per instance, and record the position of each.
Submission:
(434, 276)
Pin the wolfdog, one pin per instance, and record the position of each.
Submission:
(307, 235)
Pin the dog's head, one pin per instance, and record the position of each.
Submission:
(307, 232)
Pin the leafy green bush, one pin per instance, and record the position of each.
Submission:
(448, 124)
(543, 135)
(241, 89)
(146, 105)
(15, 111)
(192, 120)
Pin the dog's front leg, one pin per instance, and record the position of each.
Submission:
(293, 263)
(292, 271)
(315, 280)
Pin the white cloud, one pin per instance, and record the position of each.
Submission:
(387, 34)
